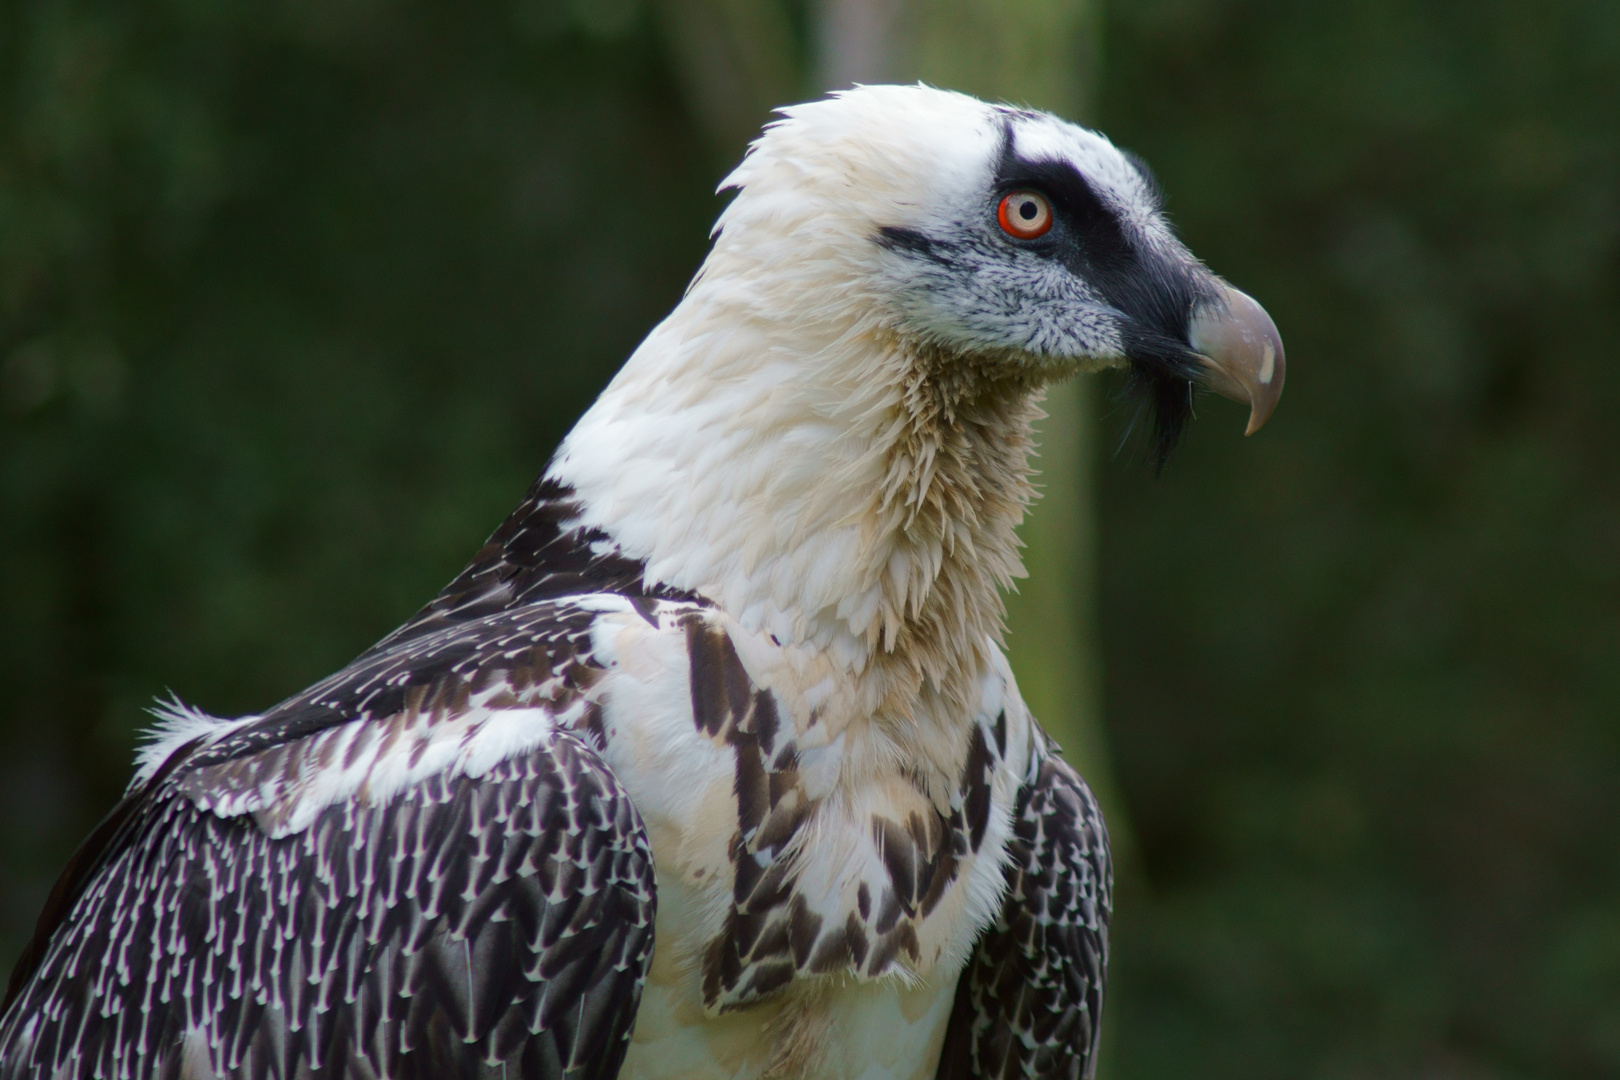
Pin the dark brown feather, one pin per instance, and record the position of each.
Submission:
(1030, 1000)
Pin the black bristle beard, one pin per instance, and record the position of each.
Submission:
(1161, 383)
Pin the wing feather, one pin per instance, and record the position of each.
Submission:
(1030, 1000)
(418, 867)
(427, 936)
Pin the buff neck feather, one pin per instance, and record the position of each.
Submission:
(943, 521)
(849, 493)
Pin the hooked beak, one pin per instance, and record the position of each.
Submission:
(1242, 352)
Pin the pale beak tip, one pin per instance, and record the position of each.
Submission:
(1244, 353)
(1267, 390)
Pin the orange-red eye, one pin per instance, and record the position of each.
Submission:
(1024, 214)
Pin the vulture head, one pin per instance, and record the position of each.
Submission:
(985, 230)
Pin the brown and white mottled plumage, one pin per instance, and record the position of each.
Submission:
(711, 764)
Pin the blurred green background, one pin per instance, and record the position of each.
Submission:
(296, 297)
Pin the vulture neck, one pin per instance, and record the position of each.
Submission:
(850, 494)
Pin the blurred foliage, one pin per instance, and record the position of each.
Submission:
(296, 297)
(1364, 669)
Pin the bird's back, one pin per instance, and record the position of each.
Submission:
(419, 866)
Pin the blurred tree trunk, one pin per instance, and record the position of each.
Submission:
(737, 59)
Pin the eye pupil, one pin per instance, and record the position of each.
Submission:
(1028, 210)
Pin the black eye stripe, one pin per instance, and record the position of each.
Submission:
(1155, 291)
(1089, 217)
(1094, 223)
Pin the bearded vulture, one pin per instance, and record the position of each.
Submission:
(710, 765)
